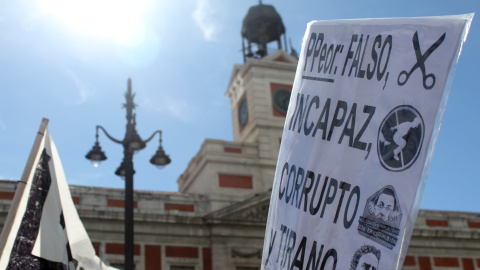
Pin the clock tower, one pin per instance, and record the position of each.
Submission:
(259, 92)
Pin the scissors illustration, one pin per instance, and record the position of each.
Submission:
(421, 62)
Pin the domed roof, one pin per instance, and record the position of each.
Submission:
(262, 24)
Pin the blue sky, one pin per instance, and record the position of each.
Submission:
(70, 63)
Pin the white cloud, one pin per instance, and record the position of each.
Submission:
(84, 91)
(204, 16)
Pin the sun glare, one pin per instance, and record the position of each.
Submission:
(121, 20)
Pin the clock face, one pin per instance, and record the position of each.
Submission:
(281, 98)
(243, 112)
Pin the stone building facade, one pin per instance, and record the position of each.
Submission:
(182, 231)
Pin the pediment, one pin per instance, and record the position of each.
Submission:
(253, 209)
(280, 56)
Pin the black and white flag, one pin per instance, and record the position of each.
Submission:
(43, 229)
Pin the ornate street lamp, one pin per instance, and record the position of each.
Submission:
(131, 143)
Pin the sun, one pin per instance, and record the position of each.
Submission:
(120, 20)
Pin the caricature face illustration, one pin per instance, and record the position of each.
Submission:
(382, 217)
(368, 262)
(366, 257)
(384, 206)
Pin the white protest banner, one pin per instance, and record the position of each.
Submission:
(360, 132)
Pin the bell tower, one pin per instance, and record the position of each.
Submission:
(259, 93)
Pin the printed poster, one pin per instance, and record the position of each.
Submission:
(360, 131)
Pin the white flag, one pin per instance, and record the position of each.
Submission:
(43, 229)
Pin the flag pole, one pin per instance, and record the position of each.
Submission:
(21, 185)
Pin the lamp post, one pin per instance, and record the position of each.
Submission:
(131, 143)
